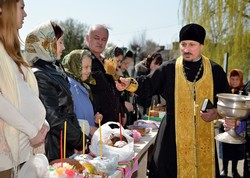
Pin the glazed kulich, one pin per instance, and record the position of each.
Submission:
(154, 113)
(114, 140)
(160, 107)
(139, 129)
(78, 167)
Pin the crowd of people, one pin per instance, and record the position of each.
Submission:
(40, 92)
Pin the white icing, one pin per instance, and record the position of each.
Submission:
(120, 144)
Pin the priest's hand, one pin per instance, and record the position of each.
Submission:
(122, 84)
(209, 115)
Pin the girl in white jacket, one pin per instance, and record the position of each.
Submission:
(22, 115)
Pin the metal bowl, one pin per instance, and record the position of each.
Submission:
(233, 106)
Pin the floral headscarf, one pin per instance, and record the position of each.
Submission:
(72, 63)
(41, 44)
(111, 51)
(239, 73)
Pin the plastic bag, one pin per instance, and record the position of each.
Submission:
(36, 167)
(147, 124)
(105, 165)
(125, 153)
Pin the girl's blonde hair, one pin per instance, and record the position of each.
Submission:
(9, 33)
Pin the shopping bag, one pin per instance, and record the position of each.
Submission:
(125, 153)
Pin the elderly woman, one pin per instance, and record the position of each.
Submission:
(77, 65)
(233, 152)
(43, 49)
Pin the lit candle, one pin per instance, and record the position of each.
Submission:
(149, 113)
(61, 147)
(153, 106)
(83, 138)
(65, 132)
(100, 130)
(120, 121)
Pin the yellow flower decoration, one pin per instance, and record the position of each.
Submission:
(54, 46)
(110, 66)
(31, 39)
(46, 43)
(60, 171)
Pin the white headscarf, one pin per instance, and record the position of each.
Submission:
(40, 43)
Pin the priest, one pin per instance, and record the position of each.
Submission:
(185, 145)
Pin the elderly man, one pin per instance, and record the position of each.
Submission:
(185, 145)
(106, 97)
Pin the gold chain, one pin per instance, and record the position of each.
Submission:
(193, 93)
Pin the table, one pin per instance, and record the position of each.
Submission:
(117, 174)
(141, 153)
(125, 169)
